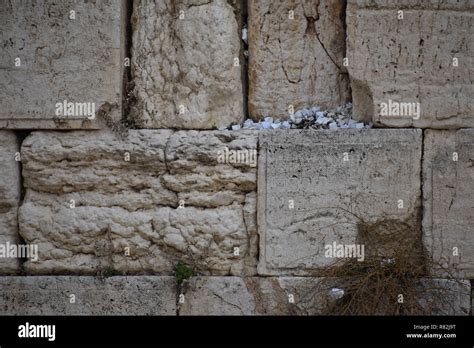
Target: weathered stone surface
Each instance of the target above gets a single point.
(448, 189)
(252, 296)
(136, 203)
(332, 198)
(445, 297)
(9, 198)
(93, 296)
(410, 60)
(301, 296)
(183, 57)
(154, 295)
(296, 61)
(78, 60)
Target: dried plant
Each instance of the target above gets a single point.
(391, 280)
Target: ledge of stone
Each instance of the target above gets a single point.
(144, 295)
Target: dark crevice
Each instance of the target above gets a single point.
(240, 8)
(344, 70)
(472, 298)
(244, 55)
(127, 86)
(311, 25)
(343, 18)
(20, 137)
(181, 289)
(421, 182)
(421, 178)
(197, 5)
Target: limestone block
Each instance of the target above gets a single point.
(302, 296)
(32, 295)
(252, 296)
(316, 188)
(183, 55)
(296, 58)
(448, 202)
(51, 55)
(10, 190)
(423, 54)
(175, 199)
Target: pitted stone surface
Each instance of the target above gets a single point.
(10, 190)
(445, 296)
(296, 60)
(252, 296)
(78, 60)
(144, 295)
(411, 59)
(309, 196)
(302, 296)
(183, 55)
(174, 200)
(448, 188)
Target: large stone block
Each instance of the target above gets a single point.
(423, 54)
(296, 58)
(49, 57)
(448, 205)
(253, 296)
(316, 188)
(183, 55)
(10, 190)
(145, 295)
(303, 296)
(173, 199)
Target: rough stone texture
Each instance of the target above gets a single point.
(296, 61)
(411, 60)
(448, 188)
(93, 296)
(78, 60)
(9, 198)
(188, 62)
(252, 296)
(135, 204)
(270, 296)
(445, 296)
(330, 195)
(153, 295)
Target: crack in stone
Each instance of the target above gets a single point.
(281, 60)
(230, 303)
(199, 5)
(324, 48)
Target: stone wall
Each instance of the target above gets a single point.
(412, 52)
(10, 190)
(128, 181)
(330, 195)
(160, 193)
(61, 51)
(295, 58)
(448, 181)
(185, 75)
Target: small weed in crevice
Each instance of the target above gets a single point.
(108, 272)
(183, 272)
